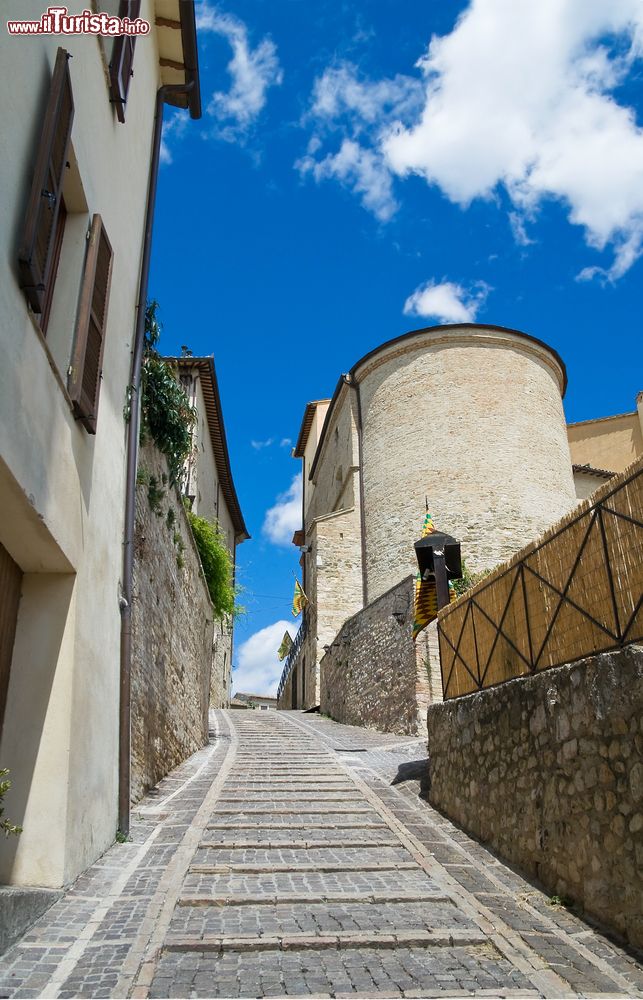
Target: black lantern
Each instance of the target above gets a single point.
(438, 556)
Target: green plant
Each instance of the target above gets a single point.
(468, 579)
(166, 414)
(217, 564)
(8, 827)
(565, 901)
(154, 495)
(121, 838)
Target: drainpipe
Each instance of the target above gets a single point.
(133, 429)
(354, 384)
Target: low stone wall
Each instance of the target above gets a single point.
(548, 771)
(373, 675)
(172, 635)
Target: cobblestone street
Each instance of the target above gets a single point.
(292, 856)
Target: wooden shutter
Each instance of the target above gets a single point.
(85, 370)
(36, 245)
(120, 68)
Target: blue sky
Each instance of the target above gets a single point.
(362, 170)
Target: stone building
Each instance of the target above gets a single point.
(77, 168)
(469, 416)
(603, 447)
(210, 488)
(182, 653)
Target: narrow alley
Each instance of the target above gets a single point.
(292, 856)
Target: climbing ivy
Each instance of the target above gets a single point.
(166, 414)
(217, 564)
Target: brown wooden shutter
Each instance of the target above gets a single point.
(120, 68)
(36, 245)
(85, 370)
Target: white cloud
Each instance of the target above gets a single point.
(258, 445)
(284, 518)
(173, 129)
(362, 170)
(520, 96)
(340, 91)
(447, 302)
(285, 443)
(258, 669)
(361, 108)
(252, 71)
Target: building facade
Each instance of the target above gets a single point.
(468, 417)
(603, 447)
(210, 489)
(74, 179)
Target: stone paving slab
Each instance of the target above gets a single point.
(294, 857)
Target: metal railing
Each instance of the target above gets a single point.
(575, 592)
(292, 654)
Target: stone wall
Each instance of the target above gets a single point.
(172, 635)
(373, 675)
(548, 771)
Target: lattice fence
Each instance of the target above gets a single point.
(575, 592)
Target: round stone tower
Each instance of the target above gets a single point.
(470, 416)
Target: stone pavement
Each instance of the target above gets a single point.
(293, 857)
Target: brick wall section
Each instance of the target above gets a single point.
(373, 675)
(171, 639)
(548, 770)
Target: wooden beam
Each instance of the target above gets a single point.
(167, 22)
(172, 64)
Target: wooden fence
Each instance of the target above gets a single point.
(575, 592)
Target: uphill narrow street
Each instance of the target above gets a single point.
(293, 857)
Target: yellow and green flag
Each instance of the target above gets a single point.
(299, 600)
(425, 603)
(428, 527)
(284, 649)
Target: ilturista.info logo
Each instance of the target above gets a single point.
(58, 21)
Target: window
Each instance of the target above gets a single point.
(85, 371)
(122, 59)
(44, 222)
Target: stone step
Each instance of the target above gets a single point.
(275, 845)
(445, 937)
(296, 826)
(230, 868)
(289, 898)
(298, 812)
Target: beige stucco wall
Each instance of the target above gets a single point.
(473, 419)
(585, 484)
(610, 443)
(64, 488)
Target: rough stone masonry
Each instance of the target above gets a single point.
(172, 630)
(548, 771)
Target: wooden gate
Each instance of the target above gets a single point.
(576, 592)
